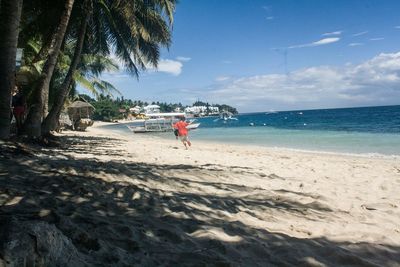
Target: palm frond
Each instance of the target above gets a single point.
(105, 87)
(85, 83)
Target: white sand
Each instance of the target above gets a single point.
(225, 204)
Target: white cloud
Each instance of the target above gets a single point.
(397, 27)
(226, 62)
(356, 44)
(266, 8)
(317, 43)
(332, 33)
(222, 78)
(326, 41)
(183, 59)
(268, 11)
(360, 33)
(376, 39)
(170, 66)
(373, 82)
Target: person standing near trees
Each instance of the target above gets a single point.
(183, 132)
(18, 108)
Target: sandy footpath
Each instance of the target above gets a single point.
(144, 201)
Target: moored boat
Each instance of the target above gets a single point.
(160, 122)
(226, 116)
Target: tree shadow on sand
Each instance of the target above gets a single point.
(136, 221)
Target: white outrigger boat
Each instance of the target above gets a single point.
(160, 122)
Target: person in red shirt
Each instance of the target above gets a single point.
(183, 132)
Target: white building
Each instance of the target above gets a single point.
(151, 109)
(202, 110)
(135, 110)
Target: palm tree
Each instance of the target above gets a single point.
(10, 14)
(130, 28)
(86, 75)
(51, 120)
(33, 122)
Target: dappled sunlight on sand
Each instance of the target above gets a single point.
(122, 209)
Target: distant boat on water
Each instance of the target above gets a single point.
(226, 116)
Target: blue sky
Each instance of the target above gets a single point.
(284, 54)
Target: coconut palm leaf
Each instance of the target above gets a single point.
(85, 83)
(95, 85)
(96, 64)
(105, 87)
(133, 30)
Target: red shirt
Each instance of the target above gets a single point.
(181, 126)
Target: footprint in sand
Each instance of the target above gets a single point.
(274, 176)
(379, 206)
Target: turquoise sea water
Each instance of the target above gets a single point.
(329, 141)
(369, 130)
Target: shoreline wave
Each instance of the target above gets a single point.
(126, 132)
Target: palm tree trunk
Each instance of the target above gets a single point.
(35, 116)
(10, 15)
(51, 121)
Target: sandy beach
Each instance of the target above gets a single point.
(144, 201)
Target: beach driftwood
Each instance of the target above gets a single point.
(35, 243)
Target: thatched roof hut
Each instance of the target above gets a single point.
(80, 110)
(80, 104)
(79, 113)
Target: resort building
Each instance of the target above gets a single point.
(135, 110)
(151, 109)
(202, 110)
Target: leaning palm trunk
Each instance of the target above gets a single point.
(10, 14)
(35, 115)
(51, 121)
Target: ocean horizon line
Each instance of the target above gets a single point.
(314, 109)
